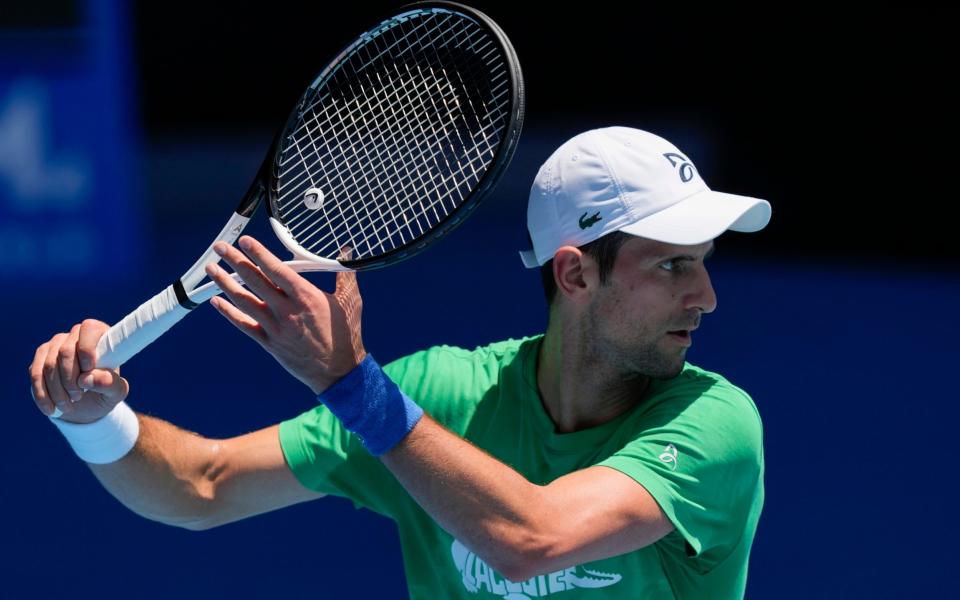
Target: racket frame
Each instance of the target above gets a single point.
(155, 316)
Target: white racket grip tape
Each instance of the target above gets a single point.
(139, 329)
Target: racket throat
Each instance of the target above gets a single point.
(304, 260)
(229, 234)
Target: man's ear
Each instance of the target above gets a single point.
(574, 272)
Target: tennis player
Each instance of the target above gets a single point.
(589, 462)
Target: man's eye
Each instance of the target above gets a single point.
(672, 265)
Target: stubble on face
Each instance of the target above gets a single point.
(631, 347)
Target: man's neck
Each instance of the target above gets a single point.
(579, 390)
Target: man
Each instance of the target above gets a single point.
(591, 461)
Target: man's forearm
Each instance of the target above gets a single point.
(481, 501)
(169, 476)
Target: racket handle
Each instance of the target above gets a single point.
(154, 317)
(139, 329)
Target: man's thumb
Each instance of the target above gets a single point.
(346, 280)
(103, 381)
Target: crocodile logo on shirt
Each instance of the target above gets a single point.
(477, 575)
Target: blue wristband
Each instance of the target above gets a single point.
(370, 405)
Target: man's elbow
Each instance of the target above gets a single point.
(189, 521)
(201, 520)
(528, 555)
(516, 571)
(198, 525)
(200, 513)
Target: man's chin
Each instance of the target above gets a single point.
(670, 368)
(659, 362)
(672, 373)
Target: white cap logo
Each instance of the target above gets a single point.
(686, 167)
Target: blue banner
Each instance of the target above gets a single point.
(68, 204)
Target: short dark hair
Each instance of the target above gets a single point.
(603, 250)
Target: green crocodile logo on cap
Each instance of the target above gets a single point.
(589, 221)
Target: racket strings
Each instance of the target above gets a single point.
(415, 134)
(403, 169)
(387, 54)
(417, 183)
(308, 123)
(397, 137)
(429, 83)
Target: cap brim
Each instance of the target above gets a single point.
(702, 217)
(529, 258)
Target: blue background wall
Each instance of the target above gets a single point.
(839, 318)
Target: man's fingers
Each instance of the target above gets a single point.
(51, 374)
(280, 274)
(347, 295)
(37, 387)
(240, 320)
(348, 290)
(91, 331)
(106, 382)
(247, 302)
(69, 364)
(252, 276)
(346, 280)
(346, 253)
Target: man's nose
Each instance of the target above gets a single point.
(702, 295)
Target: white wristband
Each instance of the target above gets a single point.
(107, 439)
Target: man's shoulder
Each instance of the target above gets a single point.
(700, 390)
(447, 355)
(452, 371)
(449, 382)
(694, 377)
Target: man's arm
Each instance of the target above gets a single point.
(171, 475)
(519, 528)
(182, 479)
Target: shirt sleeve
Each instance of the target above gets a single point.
(327, 458)
(701, 458)
(447, 382)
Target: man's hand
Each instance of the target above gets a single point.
(313, 334)
(62, 375)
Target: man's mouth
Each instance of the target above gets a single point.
(682, 336)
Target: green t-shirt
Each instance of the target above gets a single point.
(695, 443)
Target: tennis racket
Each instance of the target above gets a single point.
(392, 146)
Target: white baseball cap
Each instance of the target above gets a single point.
(623, 179)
